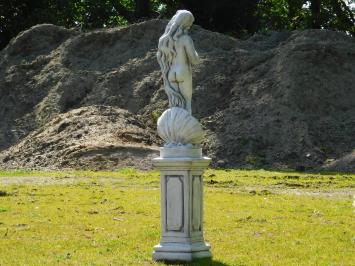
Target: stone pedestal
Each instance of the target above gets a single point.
(181, 187)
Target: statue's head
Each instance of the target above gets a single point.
(179, 23)
(183, 19)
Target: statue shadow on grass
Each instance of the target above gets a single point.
(199, 262)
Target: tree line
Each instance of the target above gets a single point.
(239, 18)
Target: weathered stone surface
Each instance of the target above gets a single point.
(181, 188)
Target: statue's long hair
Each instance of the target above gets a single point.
(167, 52)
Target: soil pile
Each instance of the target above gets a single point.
(96, 137)
(283, 99)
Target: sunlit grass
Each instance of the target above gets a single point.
(112, 218)
(126, 172)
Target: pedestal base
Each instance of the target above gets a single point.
(181, 186)
(181, 252)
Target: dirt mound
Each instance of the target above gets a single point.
(96, 137)
(343, 164)
(282, 99)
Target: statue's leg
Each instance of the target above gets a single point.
(186, 91)
(181, 82)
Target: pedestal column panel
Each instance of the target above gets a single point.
(196, 202)
(174, 203)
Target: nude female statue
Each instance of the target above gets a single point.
(176, 54)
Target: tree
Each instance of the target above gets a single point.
(315, 14)
(237, 17)
(302, 14)
(18, 15)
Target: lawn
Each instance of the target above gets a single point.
(112, 218)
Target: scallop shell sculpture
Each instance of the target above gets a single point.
(177, 126)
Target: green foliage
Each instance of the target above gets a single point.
(18, 15)
(275, 14)
(302, 14)
(156, 114)
(235, 17)
(335, 14)
(114, 21)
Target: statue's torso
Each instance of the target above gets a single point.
(180, 69)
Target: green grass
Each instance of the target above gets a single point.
(112, 218)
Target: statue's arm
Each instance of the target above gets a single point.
(191, 53)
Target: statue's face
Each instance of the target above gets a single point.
(188, 23)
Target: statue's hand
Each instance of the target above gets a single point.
(198, 59)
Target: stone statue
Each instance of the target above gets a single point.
(181, 162)
(176, 54)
